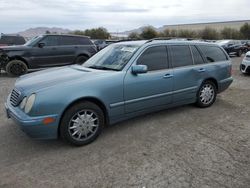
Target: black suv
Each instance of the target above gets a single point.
(9, 40)
(46, 51)
(232, 46)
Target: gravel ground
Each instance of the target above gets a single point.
(180, 147)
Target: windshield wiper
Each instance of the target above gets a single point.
(102, 68)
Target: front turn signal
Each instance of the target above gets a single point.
(48, 120)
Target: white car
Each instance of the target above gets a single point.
(245, 64)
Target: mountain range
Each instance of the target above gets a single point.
(32, 32)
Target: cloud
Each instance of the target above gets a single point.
(16, 15)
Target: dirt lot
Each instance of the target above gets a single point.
(180, 147)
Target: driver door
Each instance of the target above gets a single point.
(46, 55)
(154, 88)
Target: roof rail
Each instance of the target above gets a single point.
(172, 38)
(160, 38)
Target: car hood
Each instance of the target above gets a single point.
(45, 79)
(13, 48)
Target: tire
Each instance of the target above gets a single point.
(81, 59)
(16, 68)
(239, 53)
(208, 89)
(82, 123)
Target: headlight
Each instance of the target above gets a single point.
(23, 103)
(29, 103)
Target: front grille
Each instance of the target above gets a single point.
(15, 97)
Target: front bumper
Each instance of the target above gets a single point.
(245, 66)
(33, 126)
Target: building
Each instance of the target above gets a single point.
(199, 26)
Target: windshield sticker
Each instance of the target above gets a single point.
(128, 49)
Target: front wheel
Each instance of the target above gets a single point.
(82, 123)
(16, 68)
(206, 95)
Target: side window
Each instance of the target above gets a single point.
(181, 56)
(66, 40)
(155, 58)
(197, 56)
(50, 41)
(86, 41)
(213, 53)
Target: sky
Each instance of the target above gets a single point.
(116, 16)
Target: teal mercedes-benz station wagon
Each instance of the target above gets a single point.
(123, 80)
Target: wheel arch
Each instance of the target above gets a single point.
(18, 58)
(212, 80)
(94, 100)
(81, 55)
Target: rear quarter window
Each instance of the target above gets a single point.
(85, 41)
(213, 53)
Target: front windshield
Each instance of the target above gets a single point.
(33, 41)
(113, 57)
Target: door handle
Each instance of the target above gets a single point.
(201, 70)
(168, 76)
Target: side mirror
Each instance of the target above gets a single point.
(139, 69)
(41, 44)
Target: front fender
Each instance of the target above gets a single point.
(55, 100)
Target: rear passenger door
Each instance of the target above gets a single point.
(151, 89)
(67, 47)
(186, 76)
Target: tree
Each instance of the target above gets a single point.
(134, 35)
(173, 33)
(47, 32)
(97, 33)
(78, 32)
(148, 33)
(187, 33)
(209, 34)
(230, 33)
(166, 33)
(245, 31)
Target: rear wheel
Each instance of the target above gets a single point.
(81, 59)
(82, 123)
(16, 68)
(206, 95)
